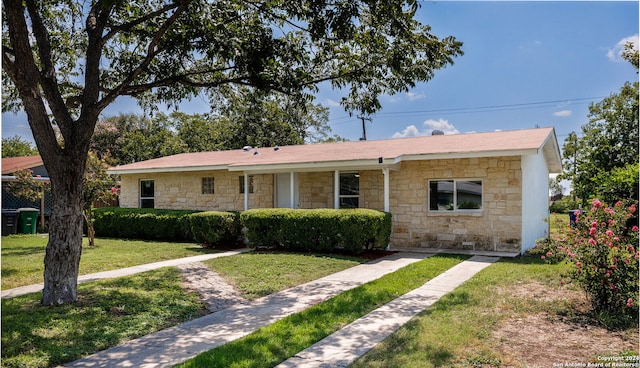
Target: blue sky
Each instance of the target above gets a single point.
(526, 64)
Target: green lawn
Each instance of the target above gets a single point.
(279, 341)
(23, 256)
(558, 221)
(260, 274)
(457, 331)
(107, 313)
(112, 311)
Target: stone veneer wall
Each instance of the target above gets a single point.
(316, 189)
(184, 191)
(496, 228)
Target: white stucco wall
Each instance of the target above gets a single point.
(535, 199)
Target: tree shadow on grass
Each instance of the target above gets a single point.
(106, 314)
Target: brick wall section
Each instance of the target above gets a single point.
(184, 191)
(497, 227)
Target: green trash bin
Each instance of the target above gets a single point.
(27, 220)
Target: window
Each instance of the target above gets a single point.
(241, 180)
(207, 186)
(147, 194)
(349, 190)
(455, 195)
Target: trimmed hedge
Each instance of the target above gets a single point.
(317, 230)
(142, 223)
(215, 228)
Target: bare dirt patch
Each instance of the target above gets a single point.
(558, 339)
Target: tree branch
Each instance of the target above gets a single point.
(151, 54)
(26, 77)
(47, 77)
(114, 30)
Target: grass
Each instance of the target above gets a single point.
(467, 316)
(23, 256)
(112, 311)
(277, 342)
(558, 221)
(107, 313)
(260, 274)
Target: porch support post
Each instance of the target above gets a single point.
(246, 191)
(292, 195)
(385, 173)
(336, 189)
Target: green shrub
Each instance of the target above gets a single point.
(317, 230)
(603, 248)
(215, 228)
(564, 205)
(142, 223)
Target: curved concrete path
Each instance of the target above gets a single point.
(177, 344)
(10, 293)
(354, 340)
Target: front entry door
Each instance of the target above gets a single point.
(283, 190)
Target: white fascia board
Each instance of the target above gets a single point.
(315, 166)
(167, 169)
(13, 178)
(457, 155)
(552, 154)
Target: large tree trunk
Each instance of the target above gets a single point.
(62, 259)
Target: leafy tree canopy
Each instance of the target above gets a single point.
(64, 62)
(131, 138)
(254, 119)
(608, 147)
(16, 147)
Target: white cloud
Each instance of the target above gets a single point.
(415, 96)
(410, 131)
(331, 103)
(440, 124)
(563, 113)
(614, 53)
(428, 127)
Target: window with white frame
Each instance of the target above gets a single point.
(455, 195)
(147, 194)
(349, 190)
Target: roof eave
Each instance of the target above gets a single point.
(365, 164)
(458, 155)
(155, 170)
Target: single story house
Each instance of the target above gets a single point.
(477, 192)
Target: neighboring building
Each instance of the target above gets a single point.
(12, 164)
(478, 192)
(10, 202)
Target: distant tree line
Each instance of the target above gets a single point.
(248, 119)
(602, 161)
(252, 120)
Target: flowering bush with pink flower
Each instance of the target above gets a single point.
(603, 249)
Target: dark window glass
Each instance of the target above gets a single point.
(349, 190)
(147, 194)
(451, 195)
(207, 186)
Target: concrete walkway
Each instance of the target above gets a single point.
(179, 343)
(348, 344)
(10, 293)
